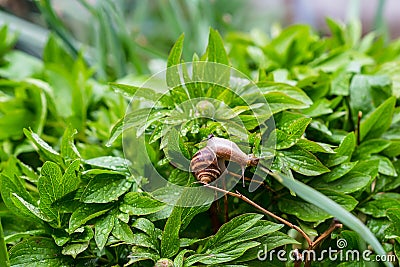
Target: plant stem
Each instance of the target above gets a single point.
(3, 249)
(245, 199)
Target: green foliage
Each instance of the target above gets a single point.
(336, 143)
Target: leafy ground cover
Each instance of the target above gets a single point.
(70, 197)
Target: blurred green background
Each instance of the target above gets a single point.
(133, 37)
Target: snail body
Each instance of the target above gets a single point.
(209, 162)
(229, 151)
(205, 165)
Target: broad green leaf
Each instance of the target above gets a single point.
(74, 249)
(143, 240)
(42, 251)
(28, 208)
(174, 58)
(288, 136)
(279, 101)
(311, 213)
(393, 150)
(215, 49)
(343, 152)
(109, 162)
(141, 253)
(146, 226)
(302, 161)
(318, 108)
(289, 91)
(373, 146)
(122, 232)
(135, 91)
(49, 189)
(179, 259)
(380, 204)
(85, 213)
(135, 203)
(378, 121)
(385, 165)
(367, 92)
(349, 183)
(393, 231)
(314, 197)
(104, 188)
(267, 243)
(44, 149)
(338, 171)
(314, 146)
(69, 181)
(194, 202)
(231, 230)
(14, 185)
(102, 229)
(170, 236)
(68, 148)
(221, 257)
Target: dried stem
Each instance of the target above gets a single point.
(245, 199)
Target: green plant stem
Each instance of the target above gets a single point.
(4, 261)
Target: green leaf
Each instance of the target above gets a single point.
(232, 229)
(75, 249)
(314, 146)
(135, 203)
(215, 49)
(85, 213)
(102, 229)
(136, 91)
(338, 171)
(380, 204)
(279, 101)
(44, 150)
(385, 165)
(378, 121)
(68, 148)
(373, 146)
(288, 135)
(174, 59)
(146, 226)
(43, 252)
(141, 253)
(49, 189)
(311, 213)
(368, 92)
(104, 188)
(111, 163)
(343, 152)
(179, 259)
(28, 208)
(393, 231)
(123, 232)
(291, 93)
(349, 183)
(14, 185)
(225, 256)
(302, 161)
(170, 236)
(313, 196)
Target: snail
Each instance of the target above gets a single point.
(209, 162)
(205, 165)
(228, 150)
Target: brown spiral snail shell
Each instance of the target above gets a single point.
(204, 164)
